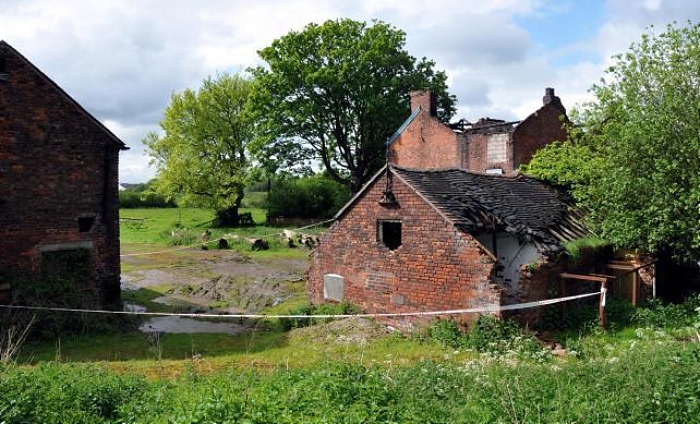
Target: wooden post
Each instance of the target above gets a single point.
(634, 288)
(601, 310)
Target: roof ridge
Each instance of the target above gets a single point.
(62, 92)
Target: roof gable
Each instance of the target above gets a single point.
(7, 48)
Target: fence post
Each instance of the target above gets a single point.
(601, 309)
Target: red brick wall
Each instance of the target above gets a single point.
(56, 165)
(426, 143)
(535, 132)
(478, 152)
(436, 267)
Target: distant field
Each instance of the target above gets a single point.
(155, 225)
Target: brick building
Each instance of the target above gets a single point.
(488, 146)
(432, 240)
(58, 184)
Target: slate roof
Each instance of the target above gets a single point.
(525, 207)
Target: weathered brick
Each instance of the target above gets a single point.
(59, 165)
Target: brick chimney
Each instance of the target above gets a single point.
(425, 99)
(549, 97)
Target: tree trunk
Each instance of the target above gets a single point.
(228, 217)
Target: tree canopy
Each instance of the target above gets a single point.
(201, 155)
(333, 93)
(633, 157)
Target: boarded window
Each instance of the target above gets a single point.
(70, 265)
(389, 233)
(333, 287)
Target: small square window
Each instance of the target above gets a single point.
(389, 233)
(85, 223)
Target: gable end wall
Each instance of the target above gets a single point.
(535, 132)
(437, 267)
(57, 165)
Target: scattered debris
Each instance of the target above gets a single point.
(258, 244)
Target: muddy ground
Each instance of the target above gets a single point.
(213, 281)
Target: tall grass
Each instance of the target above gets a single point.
(651, 382)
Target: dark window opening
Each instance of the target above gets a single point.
(389, 233)
(85, 223)
(3, 70)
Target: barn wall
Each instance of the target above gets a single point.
(436, 267)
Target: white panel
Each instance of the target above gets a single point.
(333, 287)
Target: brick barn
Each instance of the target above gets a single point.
(492, 146)
(432, 240)
(58, 185)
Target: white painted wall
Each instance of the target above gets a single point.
(512, 255)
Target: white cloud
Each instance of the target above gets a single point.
(122, 59)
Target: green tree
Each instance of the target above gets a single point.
(633, 160)
(333, 93)
(201, 155)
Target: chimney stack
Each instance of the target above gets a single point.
(548, 95)
(426, 99)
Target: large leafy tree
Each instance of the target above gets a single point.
(201, 153)
(333, 93)
(633, 160)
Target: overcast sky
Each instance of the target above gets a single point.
(122, 59)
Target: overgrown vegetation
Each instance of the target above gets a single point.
(64, 282)
(143, 196)
(315, 196)
(653, 381)
(342, 308)
(631, 157)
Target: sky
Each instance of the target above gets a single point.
(123, 59)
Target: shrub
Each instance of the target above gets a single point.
(316, 196)
(341, 308)
(660, 314)
(446, 332)
(585, 253)
(142, 196)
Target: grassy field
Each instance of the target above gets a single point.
(644, 368)
(151, 226)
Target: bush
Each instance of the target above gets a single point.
(659, 314)
(307, 197)
(487, 334)
(342, 308)
(141, 196)
(446, 332)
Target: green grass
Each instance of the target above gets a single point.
(644, 368)
(150, 230)
(650, 381)
(155, 225)
(350, 371)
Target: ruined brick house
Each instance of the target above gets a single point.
(58, 183)
(448, 224)
(491, 146)
(433, 240)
